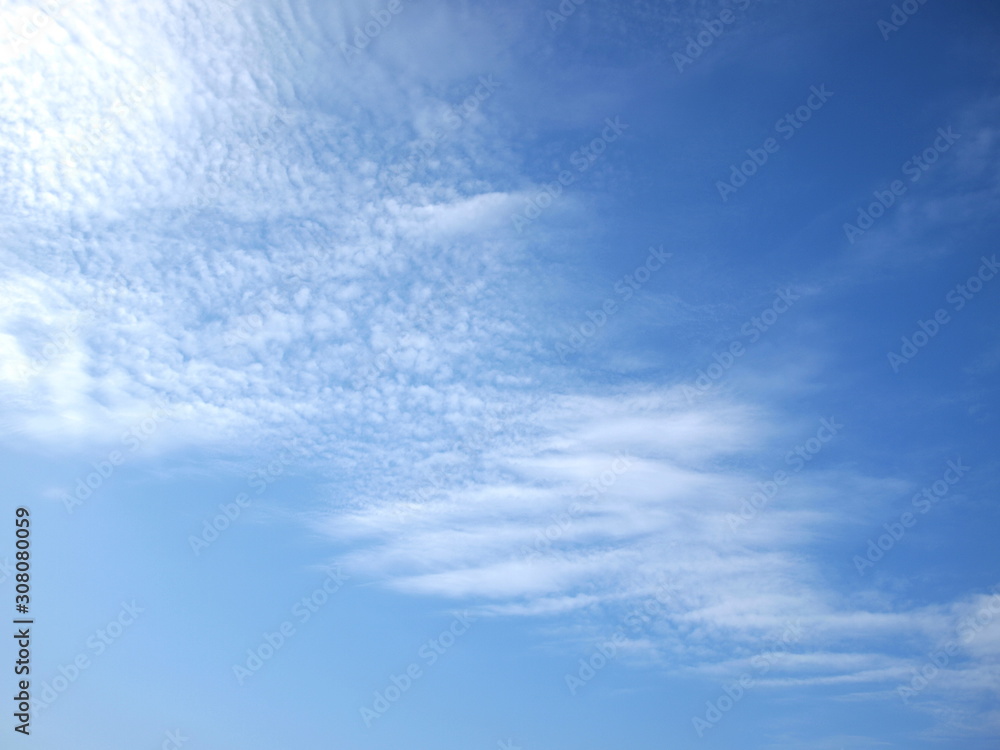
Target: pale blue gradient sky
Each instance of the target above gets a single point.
(403, 313)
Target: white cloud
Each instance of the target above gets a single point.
(275, 285)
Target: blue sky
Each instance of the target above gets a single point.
(503, 375)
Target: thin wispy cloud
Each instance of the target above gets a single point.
(447, 295)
